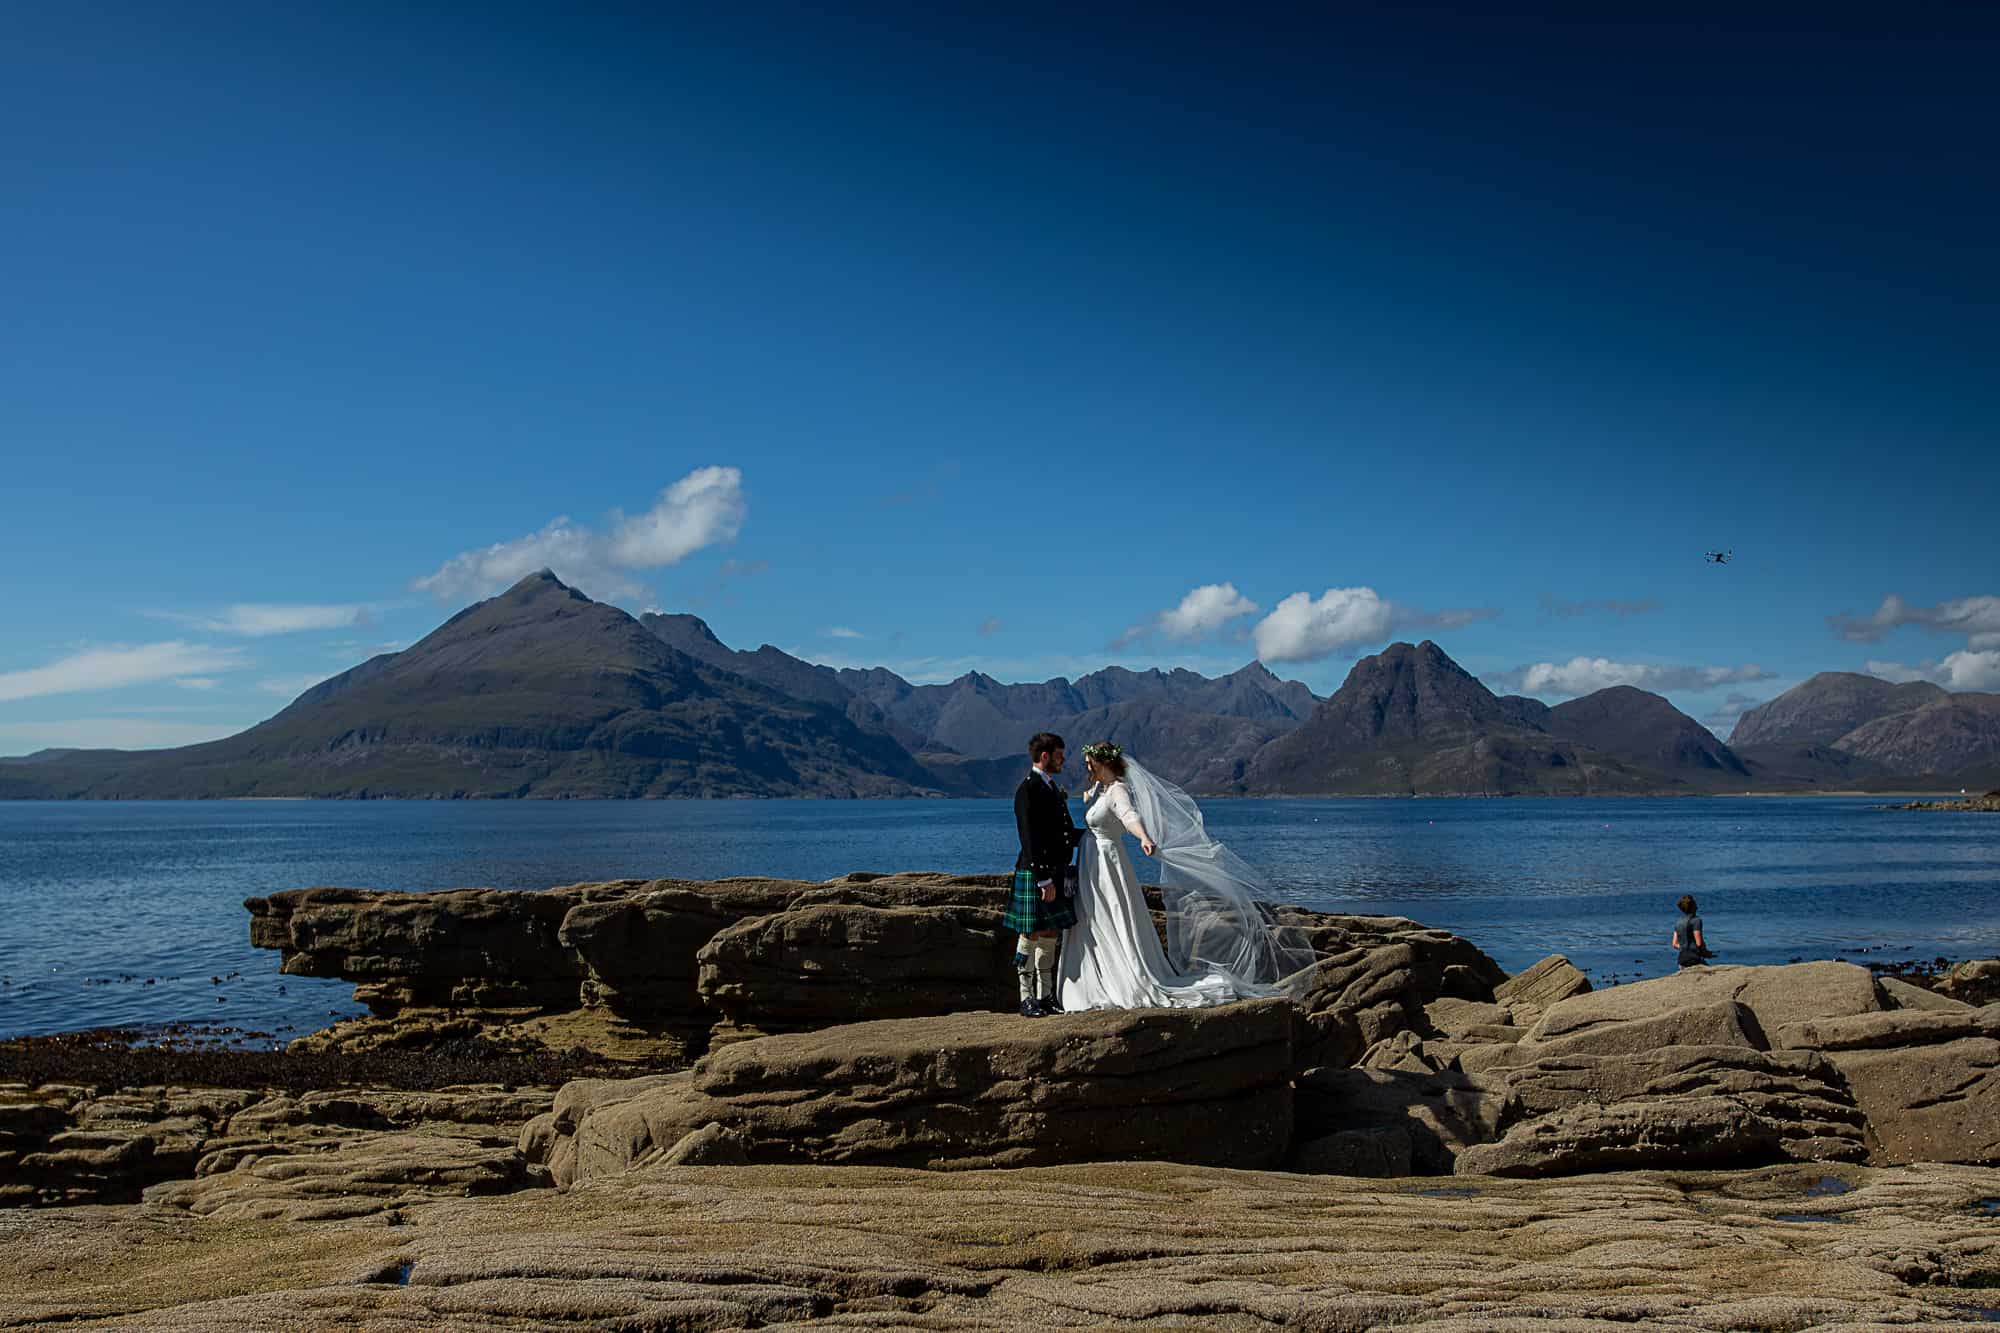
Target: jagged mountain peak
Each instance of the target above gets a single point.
(679, 629)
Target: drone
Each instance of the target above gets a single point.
(1718, 557)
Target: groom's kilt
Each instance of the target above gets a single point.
(1027, 914)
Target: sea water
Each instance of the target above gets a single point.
(130, 913)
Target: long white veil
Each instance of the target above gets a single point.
(1220, 915)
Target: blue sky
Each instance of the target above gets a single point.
(1025, 341)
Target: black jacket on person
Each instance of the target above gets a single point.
(1048, 835)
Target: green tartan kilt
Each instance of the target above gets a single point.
(1027, 914)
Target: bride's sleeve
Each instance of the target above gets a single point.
(1121, 805)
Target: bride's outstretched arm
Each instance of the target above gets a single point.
(1121, 805)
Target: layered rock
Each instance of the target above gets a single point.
(639, 944)
(791, 970)
(629, 953)
(1112, 1245)
(1673, 1105)
(1554, 978)
(471, 948)
(1769, 997)
(1379, 986)
(353, 1175)
(1927, 1079)
(656, 970)
(67, 1144)
(1204, 1086)
(1430, 1116)
(1728, 1065)
(852, 1021)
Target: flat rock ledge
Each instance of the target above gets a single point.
(1132, 1245)
(1203, 1086)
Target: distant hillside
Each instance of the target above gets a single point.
(1957, 737)
(1840, 727)
(779, 670)
(539, 691)
(1645, 730)
(1825, 708)
(1411, 720)
(542, 692)
(979, 716)
(972, 733)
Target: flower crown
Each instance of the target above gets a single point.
(1103, 751)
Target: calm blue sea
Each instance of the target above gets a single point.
(131, 914)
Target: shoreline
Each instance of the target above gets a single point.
(791, 1113)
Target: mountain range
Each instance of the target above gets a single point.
(542, 692)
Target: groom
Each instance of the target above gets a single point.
(1037, 908)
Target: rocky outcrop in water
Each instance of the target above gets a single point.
(1987, 804)
(649, 969)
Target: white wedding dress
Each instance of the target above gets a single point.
(1226, 948)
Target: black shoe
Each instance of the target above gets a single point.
(1030, 1009)
(1050, 1006)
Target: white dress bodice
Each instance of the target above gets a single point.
(1111, 814)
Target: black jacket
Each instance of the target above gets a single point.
(1048, 835)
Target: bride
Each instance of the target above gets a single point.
(1221, 943)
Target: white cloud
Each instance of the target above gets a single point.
(258, 619)
(1303, 628)
(701, 509)
(115, 666)
(1967, 669)
(197, 682)
(291, 687)
(1973, 667)
(1205, 610)
(1976, 616)
(1587, 675)
(842, 632)
(109, 733)
(1973, 670)
(575, 554)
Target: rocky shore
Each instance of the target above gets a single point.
(1990, 803)
(752, 1102)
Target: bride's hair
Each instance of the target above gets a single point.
(1109, 755)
